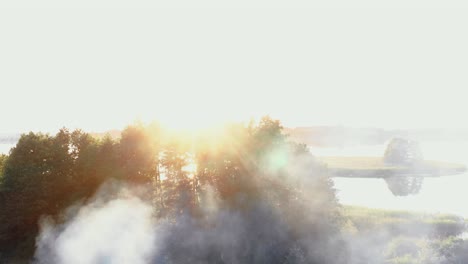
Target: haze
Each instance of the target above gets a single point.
(99, 69)
(319, 132)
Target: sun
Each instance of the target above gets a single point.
(192, 117)
(188, 122)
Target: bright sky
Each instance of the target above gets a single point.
(99, 69)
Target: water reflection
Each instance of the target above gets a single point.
(446, 194)
(403, 186)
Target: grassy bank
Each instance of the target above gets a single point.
(405, 223)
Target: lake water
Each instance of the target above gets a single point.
(448, 194)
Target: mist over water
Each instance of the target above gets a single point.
(446, 194)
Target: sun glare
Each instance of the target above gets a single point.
(186, 124)
(189, 123)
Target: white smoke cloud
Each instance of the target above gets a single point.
(119, 226)
(117, 231)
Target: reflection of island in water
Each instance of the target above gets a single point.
(402, 167)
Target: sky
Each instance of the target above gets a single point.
(101, 68)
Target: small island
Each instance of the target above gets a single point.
(402, 167)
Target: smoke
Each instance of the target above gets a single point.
(123, 229)
(120, 225)
(119, 230)
(263, 223)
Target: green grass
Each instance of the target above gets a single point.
(362, 220)
(404, 237)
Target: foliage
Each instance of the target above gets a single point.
(404, 186)
(404, 223)
(404, 237)
(403, 152)
(3, 159)
(405, 250)
(249, 170)
(452, 250)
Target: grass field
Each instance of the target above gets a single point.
(403, 223)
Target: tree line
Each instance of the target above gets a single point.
(243, 164)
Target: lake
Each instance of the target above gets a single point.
(438, 195)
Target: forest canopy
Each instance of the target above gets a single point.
(277, 187)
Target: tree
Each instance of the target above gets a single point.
(139, 151)
(90, 161)
(452, 250)
(402, 152)
(257, 174)
(40, 170)
(3, 159)
(38, 178)
(278, 196)
(404, 185)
